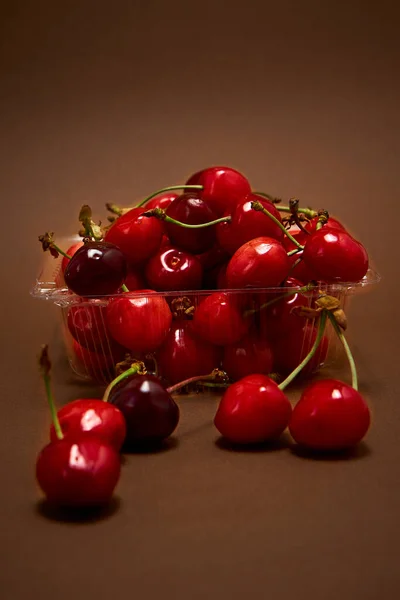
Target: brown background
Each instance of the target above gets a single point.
(107, 101)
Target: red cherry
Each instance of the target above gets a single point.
(78, 471)
(87, 325)
(294, 345)
(218, 319)
(223, 187)
(247, 224)
(333, 255)
(191, 209)
(71, 251)
(213, 257)
(330, 415)
(138, 237)
(253, 410)
(162, 200)
(173, 269)
(279, 317)
(183, 356)
(332, 224)
(91, 416)
(140, 323)
(261, 262)
(135, 279)
(251, 354)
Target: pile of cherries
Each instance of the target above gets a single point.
(215, 282)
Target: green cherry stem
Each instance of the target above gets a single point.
(45, 367)
(124, 288)
(340, 334)
(295, 251)
(268, 197)
(49, 244)
(303, 290)
(308, 212)
(256, 205)
(199, 378)
(137, 368)
(170, 188)
(320, 333)
(160, 213)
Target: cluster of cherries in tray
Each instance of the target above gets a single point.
(216, 284)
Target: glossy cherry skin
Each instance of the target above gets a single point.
(294, 345)
(251, 354)
(138, 237)
(223, 187)
(91, 416)
(173, 269)
(330, 415)
(183, 356)
(140, 323)
(334, 256)
(80, 471)
(191, 209)
(280, 316)
(261, 262)
(150, 412)
(96, 269)
(71, 251)
(219, 320)
(162, 200)
(247, 224)
(253, 410)
(87, 325)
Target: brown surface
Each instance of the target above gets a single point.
(109, 102)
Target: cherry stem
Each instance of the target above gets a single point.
(303, 290)
(306, 360)
(295, 251)
(137, 368)
(340, 334)
(160, 213)
(61, 251)
(294, 207)
(308, 212)
(256, 205)
(210, 377)
(170, 188)
(45, 366)
(268, 197)
(323, 218)
(124, 288)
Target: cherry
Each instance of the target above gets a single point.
(253, 410)
(332, 223)
(223, 187)
(96, 269)
(162, 200)
(333, 255)
(294, 345)
(213, 257)
(218, 319)
(150, 412)
(183, 356)
(91, 416)
(134, 279)
(78, 471)
(261, 262)
(87, 325)
(279, 317)
(251, 354)
(140, 323)
(189, 208)
(330, 415)
(71, 251)
(247, 224)
(138, 237)
(98, 364)
(173, 269)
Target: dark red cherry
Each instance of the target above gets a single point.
(213, 258)
(183, 355)
(150, 412)
(219, 320)
(80, 471)
(91, 416)
(251, 354)
(135, 279)
(223, 187)
(138, 237)
(87, 324)
(261, 262)
(279, 316)
(247, 224)
(191, 209)
(294, 345)
(96, 269)
(334, 256)
(173, 269)
(330, 415)
(162, 200)
(253, 410)
(140, 322)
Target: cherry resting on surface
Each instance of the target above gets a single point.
(96, 269)
(330, 415)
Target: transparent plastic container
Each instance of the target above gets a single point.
(94, 355)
